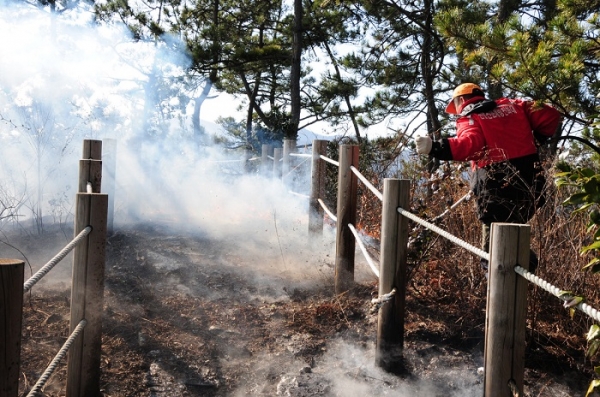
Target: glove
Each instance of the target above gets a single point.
(423, 144)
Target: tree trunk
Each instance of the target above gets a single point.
(292, 130)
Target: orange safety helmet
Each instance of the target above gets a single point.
(463, 89)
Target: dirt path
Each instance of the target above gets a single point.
(188, 315)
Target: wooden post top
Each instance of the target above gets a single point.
(8, 262)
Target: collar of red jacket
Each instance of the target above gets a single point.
(470, 101)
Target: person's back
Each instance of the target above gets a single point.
(498, 137)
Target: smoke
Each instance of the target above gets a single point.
(349, 370)
(64, 80)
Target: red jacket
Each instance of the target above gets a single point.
(499, 138)
(503, 133)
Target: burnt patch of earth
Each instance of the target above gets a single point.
(188, 315)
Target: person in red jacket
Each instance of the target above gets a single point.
(499, 138)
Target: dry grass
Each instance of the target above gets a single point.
(448, 275)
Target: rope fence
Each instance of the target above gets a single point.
(87, 291)
(507, 299)
(39, 385)
(546, 286)
(327, 210)
(306, 155)
(298, 194)
(477, 251)
(54, 261)
(374, 267)
(368, 184)
(330, 161)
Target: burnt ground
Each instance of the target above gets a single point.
(191, 315)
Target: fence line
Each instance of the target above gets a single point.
(362, 247)
(477, 251)
(327, 210)
(546, 286)
(87, 287)
(298, 194)
(301, 155)
(466, 197)
(507, 345)
(54, 261)
(368, 184)
(54, 363)
(330, 161)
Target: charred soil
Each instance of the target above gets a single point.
(188, 315)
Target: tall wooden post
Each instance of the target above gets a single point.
(317, 188)
(277, 153)
(506, 310)
(266, 151)
(11, 321)
(289, 146)
(392, 273)
(109, 171)
(87, 290)
(346, 214)
(90, 167)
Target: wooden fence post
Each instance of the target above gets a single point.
(392, 273)
(317, 189)
(109, 172)
(266, 151)
(90, 167)
(87, 289)
(289, 146)
(506, 309)
(11, 321)
(277, 153)
(346, 214)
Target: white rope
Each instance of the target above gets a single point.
(383, 299)
(324, 206)
(48, 266)
(367, 183)
(226, 161)
(477, 251)
(59, 356)
(294, 169)
(298, 194)
(301, 155)
(546, 286)
(372, 265)
(453, 206)
(327, 159)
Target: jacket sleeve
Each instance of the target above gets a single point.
(544, 119)
(469, 143)
(441, 150)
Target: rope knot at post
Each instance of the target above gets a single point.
(376, 303)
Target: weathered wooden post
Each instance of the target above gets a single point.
(506, 310)
(109, 172)
(317, 188)
(266, 151)
(346, 214)
(277, 153)
(87, 290)
(90, 167)
(289, 147)
(247, 157)
(392, 273)
(11, 321)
